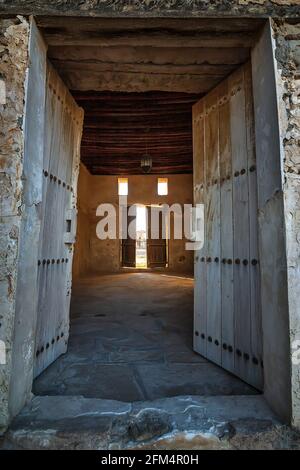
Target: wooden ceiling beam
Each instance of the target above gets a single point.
(97, 38)
(146, 98)
(155, 171)
(168, 69)
(86, 142)
(114, 140)
(148, 55)
(132, 24)
(132, 82)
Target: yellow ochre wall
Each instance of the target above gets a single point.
(94, 256)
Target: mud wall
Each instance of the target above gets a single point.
(95, 256)
(82, 247)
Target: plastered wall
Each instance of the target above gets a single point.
(97, 256)
(82, 254)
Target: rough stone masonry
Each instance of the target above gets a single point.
(140, 8)
(14, 34)
(287, 54)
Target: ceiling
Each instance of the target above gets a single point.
(119, 128)
(136, 55)
(137, 80)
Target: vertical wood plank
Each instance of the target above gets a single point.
(228, 345)
(255, 297)
(213, 227)
(227, 286)
(241, 227)
(200, 313)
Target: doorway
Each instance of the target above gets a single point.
(172, 128)
(148, 246)
(140, 313)
(141, 237)
(207, 179)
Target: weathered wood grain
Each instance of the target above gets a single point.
(148, 38)
(134, 24)
(148, 55)
(199, 173)
(255, 277)
(213, 299)
(227, 311)
(227, 301)
(63, 124)
(141, 55)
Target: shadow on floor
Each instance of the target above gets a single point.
(131, 339)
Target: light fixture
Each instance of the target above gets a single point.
(146, 163)
(146, 160)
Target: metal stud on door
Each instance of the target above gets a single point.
(227, 318)
(62, 137)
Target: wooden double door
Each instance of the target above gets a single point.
(156, 243)
(227, 316)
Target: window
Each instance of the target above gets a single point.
(123, 186)
(162, 186)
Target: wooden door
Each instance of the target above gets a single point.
(156, 239)
(129, 241)
(227, 318)
(62, 137)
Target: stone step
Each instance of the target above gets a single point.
(186, 422)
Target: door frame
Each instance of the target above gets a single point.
(271, 230)
(275, 317)
(122, 239)
(167, 239)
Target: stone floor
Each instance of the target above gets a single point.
(131, 340)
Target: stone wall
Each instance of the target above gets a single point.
(152, 8)
(287, 54)
(96, 256)
(14, 37)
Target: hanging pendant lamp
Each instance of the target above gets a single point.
(146, 160)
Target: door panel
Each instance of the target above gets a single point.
(213, 298)
(62, 137)
(240, 201)
(156, 240)
(128, 242)
(227, 289)
(199, 173)
(226, 228)
(255, 305)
